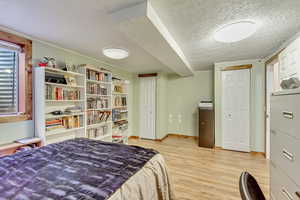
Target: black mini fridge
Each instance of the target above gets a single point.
(206, 127)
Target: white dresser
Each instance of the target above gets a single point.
(285, 146)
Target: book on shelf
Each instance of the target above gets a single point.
(97, 132)
(69, 122)
(93, 88)
(59, 93)
(96, 117)
(97, 103)
(98, 76)
(120, 101)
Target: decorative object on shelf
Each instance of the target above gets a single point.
(70, 80)
(48, 62)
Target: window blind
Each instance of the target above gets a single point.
(8, 79)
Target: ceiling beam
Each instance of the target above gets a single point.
(143, 26)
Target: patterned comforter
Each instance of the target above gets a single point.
(73, 169)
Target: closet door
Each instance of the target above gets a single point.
(236, 110)
(147, 107)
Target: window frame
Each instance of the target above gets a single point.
(26, 49)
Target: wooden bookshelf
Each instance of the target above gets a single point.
(120, 110)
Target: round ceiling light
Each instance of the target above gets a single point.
(115, 53)
(235, 32)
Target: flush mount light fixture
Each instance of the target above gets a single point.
(235, 32)
(115, 53)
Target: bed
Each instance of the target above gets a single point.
(85, 169)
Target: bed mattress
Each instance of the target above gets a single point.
(85, 169)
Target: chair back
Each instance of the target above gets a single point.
(249, 188)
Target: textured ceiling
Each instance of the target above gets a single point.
(193, 23)
(85, 26)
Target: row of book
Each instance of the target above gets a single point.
(96, 117)
(58, 93)
(119, 115)
(97, 103)
(98, 76)
(97, 132)
(119, 89)
(93, 88)
(120, 101)
(64, 123)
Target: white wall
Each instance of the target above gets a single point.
(256, 102)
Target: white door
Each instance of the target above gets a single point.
(147, 107)
(236, 110)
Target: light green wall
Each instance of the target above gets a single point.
(256, 102)
(161, 106)
(13, 131)
(183, 96)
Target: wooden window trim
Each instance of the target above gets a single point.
(239, 67)
(147, 75)
(26, 46)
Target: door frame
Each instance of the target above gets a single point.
(268, 63)
(234, 68)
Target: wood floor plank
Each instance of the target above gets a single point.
(208, 174)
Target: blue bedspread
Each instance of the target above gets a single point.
(73, 169)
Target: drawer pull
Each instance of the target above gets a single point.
(297, 194)
(288, 115)
(287, 194)
(288, 155)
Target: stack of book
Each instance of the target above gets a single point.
(97, 103)
(54, 124)
(96, 117)
(97, 76)
(64, 123)
(58, 93)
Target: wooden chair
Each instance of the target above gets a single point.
(249, 188)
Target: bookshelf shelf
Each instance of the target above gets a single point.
(64, 100)
(62, 131)
(64, 85)
(98, 124)
(99, 109)
(50, 116)
(63, 72)
(118, 93)
(97, 95)
(119, 120)
(99, 82)
(103, 137)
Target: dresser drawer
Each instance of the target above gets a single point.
(282, 187)
(285, 114)
(285, 152)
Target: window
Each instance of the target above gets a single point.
(9, 63)
(15, 78)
